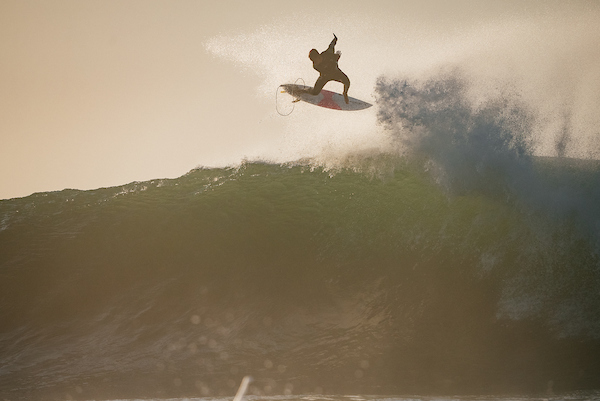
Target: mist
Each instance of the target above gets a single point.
(548, 61)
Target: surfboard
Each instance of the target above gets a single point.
(327, 99)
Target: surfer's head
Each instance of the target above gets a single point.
(313, 54)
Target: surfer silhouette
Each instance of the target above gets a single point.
(326, 63)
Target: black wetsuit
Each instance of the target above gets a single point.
(329, 70)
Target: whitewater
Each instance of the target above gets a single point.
(445, 245)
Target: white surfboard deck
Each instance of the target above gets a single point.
(327, 99)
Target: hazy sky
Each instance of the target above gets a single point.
(100, 92)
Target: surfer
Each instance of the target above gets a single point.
(327, 64)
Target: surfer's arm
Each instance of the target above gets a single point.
(331, 49)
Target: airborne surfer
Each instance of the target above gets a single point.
(327, 64)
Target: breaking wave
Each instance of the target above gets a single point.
(373, 280)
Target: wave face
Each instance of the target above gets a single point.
(373, 280)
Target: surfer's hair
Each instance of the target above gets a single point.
(313, 53)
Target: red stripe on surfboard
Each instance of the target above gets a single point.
(328, 101)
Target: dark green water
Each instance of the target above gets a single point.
(347, 282)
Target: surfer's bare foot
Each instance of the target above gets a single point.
(346, 98)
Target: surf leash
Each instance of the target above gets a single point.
(292, 94)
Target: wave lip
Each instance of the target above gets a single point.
(486, 147)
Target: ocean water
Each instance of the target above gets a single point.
(458, 265)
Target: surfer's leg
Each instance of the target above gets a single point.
(346, 83)
(321, 81)
(343, 78)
